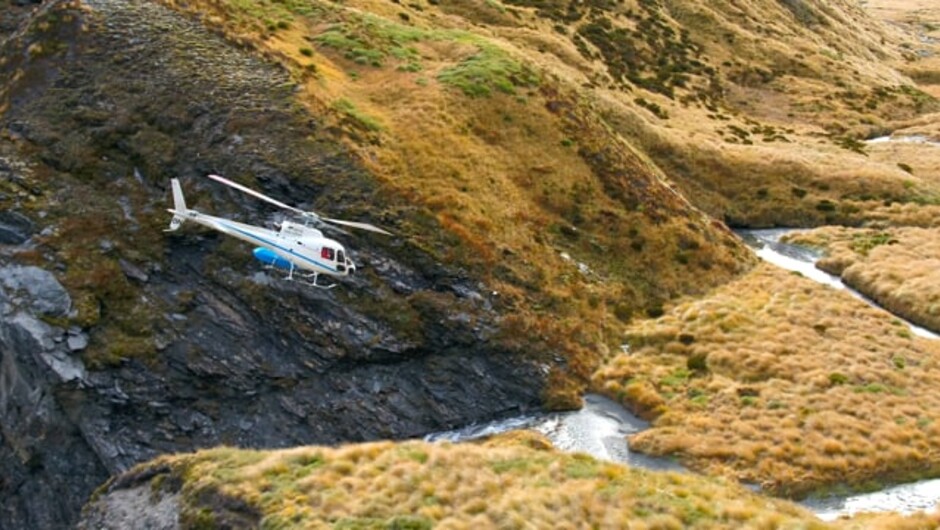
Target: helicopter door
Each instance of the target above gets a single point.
(340, 261)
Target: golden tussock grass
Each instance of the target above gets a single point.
(512, 481)
(781, 144)
(779, 381)
(544, 152)
(504, 167)
(897, 267)
(896, 214)
(919, 521)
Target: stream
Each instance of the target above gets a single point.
(767, 245)
(903, 498)
(912, 139)
(601, 427)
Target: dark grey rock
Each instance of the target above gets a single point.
(15, 228)
(133, 271)
(46, 295)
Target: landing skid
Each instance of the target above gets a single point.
(311, 283)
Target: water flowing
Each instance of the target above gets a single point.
(912, 139)
(903, 498)
(768, 247)
(601, 427)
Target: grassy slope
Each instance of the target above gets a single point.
(757, 110)
(921, 17)
(527, 137)
(786, 383)
(575, 229)
(514, 481)
(897, 267)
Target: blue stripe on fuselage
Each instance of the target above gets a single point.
(287, 250)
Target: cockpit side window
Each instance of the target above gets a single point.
(340, 258)
(326, 253)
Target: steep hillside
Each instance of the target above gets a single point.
(756, 109)
(919, 18)
(520, 170)
(527, 232)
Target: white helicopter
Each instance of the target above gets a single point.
(295, 246)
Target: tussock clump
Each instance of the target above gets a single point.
(507, 482)
(801, 386)
(897, 267)
(898, 214)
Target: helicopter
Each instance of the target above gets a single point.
(295, 247)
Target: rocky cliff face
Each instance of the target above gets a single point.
(142, 344)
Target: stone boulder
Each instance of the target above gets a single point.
(43, 293)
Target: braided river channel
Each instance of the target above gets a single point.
(601, 427)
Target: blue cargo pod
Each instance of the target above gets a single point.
(269, 257)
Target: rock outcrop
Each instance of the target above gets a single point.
(48, 467)
(126, 94)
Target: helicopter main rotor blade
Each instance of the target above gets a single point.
(260, 195)
(354, 224)
(309, 215)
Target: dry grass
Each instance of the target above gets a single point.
(779, 381)
(518, 142)
(516, 481)
(771, 134)
(922, 18)
(916, 215)
(505, 167)
(897, 267)
(920, 521)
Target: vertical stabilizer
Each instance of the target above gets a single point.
(179, 206)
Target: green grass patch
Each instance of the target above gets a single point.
(582, 466)
(836, 378)
(511, 464)
(268, 15)
(489, 69)
(678, 377)
(871, 388)
(360, 118)
(863, 243)
(372, 41)
(398, 522)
